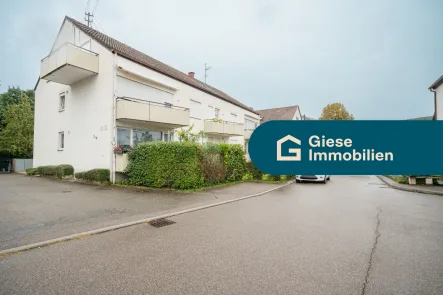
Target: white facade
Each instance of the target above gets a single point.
(439, 109)
(88, 121)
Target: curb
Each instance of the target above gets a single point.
(128, 224)
(408, 189)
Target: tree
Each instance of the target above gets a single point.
(13, 96)
(186, 135)
(336, 111)
(17, 136)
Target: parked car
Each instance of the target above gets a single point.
(313, 178)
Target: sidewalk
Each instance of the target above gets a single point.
(424, 189)
(34, 209)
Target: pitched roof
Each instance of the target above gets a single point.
(145, 60)
(436, 84)
(284, 113)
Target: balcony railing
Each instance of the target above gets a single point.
(69, 64)
(166, 114)
(225, 128)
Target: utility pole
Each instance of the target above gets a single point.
(207, 68)
(89, 18)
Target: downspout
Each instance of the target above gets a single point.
(114, 115)
(435, 103)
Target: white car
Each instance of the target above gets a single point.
(314, 178)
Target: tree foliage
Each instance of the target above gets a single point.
(17, 135)
(186, 135)
(13, 96)
(336, 111)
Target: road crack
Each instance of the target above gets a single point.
(374, 247)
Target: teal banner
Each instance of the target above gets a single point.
(348, 147)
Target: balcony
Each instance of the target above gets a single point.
(224, 128)
(248, 133)
(69, 64)
(163, 115)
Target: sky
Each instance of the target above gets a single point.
(376, 57)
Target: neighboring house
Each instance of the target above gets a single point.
(437, 88)
(422, 118)
(95, 93)
(304, 117)
(284, 113)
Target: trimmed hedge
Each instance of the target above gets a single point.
(49, 170)
(166, 164)
(56, 171)
(235, 161)
(65, 170)
(94, 175)
(31, 171)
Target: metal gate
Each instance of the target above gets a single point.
(5, 164)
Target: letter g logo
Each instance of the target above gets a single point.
(297, 152)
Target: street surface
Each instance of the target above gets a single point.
(353, 235)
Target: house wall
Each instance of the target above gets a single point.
(297, 115)
(183, 96)
(87, 119)
(439, 92)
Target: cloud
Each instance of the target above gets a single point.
(377, 58)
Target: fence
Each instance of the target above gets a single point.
(20, 165)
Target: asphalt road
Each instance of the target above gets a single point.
(35, 209)
(351, 236)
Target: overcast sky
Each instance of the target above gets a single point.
(377, 57)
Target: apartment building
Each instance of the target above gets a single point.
(96, 93)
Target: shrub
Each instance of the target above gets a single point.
(166, 164)
(254, 171)
(247, 176)
(269, 177)
(64, 170)
(94, 175)
(235, 161)
(212, 164)
(49, 170)
(31, 171)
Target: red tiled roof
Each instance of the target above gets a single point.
(145, 60)
(284, 113)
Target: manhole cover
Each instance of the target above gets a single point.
(161, 222)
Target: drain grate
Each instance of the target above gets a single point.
(161, 222)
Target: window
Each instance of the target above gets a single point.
(168, 137)
(123, 137)
(140, 136)
(250, 125)
(195, 110)
(217, 113)
(61, 141)
(61, 105)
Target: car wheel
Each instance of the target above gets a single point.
(329, 177)
(297, 181)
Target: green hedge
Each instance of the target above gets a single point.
(49, 170)
(94, 175)
(64, 170)
(56, 171)
(31, 171)
(253, 171)
(212, 164)
(166, 164)
(235, 161)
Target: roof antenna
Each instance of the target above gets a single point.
(207, 68)
(89, 18)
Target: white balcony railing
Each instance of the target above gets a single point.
(140, 110)
(225, 128)
(69, 64)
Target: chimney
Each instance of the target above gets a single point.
(191, 74)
